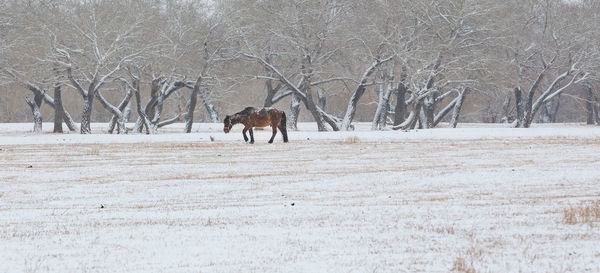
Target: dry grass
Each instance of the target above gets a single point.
(94, 151)
(349, 140)
(465, 263)
(462, 265)
(586, 212)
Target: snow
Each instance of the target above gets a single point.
(363, 201)
(20, 133)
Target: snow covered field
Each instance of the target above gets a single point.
(483, 198)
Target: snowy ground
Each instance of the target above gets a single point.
(484, 198)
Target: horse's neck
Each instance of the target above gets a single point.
(236, 119)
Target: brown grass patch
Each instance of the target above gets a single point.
(437, 199)
(349, 140)
(586, 212)
(462, 265)
(465, 263)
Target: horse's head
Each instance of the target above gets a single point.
(227, 124)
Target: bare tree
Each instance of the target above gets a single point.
(415, 64)
(548, 59)
(360, 90)
(35, 109)
(304, 30)
(199, 44)
(96, 52)
(437, 58)
(121, 113)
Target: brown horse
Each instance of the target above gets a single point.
(252, 117)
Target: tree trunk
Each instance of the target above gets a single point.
(360, 90)
(428, 118)
(597, 111)
(58, 109)
(37, 115)
(309, 102)
(191, 106)
(520, 121)
(127, 111)
(506, 110)
(442, 113)
(380, 117)
(458, 106)
(125, 104)
(322, 99)
(149, 108)
(271, 91)
(50, 101)
(318, 118)
(269, 99)
(86, 114)
(173, 119)
(88, 99)
(115, 111)
(69, 120)
(139, 124)
(546, 113)
(422, 118)
(294, 112)
(121, 125)
(351, 109)
(551, 92)
(210, 108)
(555, 110)
(381, 89)
(589, 106)
(412, 119)
(549, 111)
(381, 114)
(140, 111)
(418, 108)
(159, 98)
(400, 108)
(312, 108)
(385, 120)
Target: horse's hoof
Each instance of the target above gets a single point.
(251, 142)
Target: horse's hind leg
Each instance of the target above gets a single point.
(244, 133)
(274, 133)
(284, 134)
(251, 136)
(283, 127)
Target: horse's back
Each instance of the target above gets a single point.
(267, 117)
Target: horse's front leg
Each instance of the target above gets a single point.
(251, 135)
(244, 133)
(274, 133)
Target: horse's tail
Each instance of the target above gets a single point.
(283, 127)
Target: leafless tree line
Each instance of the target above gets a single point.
(400, 64)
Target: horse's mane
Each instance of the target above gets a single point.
(246, 111)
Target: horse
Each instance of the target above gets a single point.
(252, 117)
